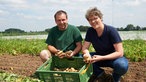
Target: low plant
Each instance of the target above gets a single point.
(10, 77)
(135, 50)
(21, 46)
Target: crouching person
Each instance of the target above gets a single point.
(64, 37)
(108, 49)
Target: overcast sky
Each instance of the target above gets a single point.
(38, 15)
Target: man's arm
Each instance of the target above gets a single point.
(52, 49)
(78, 48)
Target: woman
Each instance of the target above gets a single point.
(108, 49)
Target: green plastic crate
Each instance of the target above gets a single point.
(46, 73)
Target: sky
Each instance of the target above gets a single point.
(38, 15)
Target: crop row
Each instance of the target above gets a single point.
(135, 50)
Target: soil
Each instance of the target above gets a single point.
(26, 65)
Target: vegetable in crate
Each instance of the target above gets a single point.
(66, 69)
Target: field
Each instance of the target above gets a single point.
(26, 65)
(14, 61)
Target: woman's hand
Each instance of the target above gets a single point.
(87, 58)
(96, 58)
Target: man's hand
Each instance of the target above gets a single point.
(69, 54)
(60, 54)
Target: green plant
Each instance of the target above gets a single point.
(135, 50)
(21, 46)
(9, 77)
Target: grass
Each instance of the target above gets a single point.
(9, 77)
(21, 46)
(135, 50)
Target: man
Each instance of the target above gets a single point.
(108, 49)
(61, 36)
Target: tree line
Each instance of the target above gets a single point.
(129, 27)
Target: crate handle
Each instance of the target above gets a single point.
(87, 66)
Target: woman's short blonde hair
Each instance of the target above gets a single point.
(93, 11)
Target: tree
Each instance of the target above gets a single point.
(14, 30)
(129, 27)
(137, 28)
(83, 28)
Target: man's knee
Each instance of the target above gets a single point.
(45, 52)
(45, 55)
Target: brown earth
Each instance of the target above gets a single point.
(26, 65)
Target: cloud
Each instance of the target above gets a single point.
(133, 2)
(31, 17)
(129, 3)
(18, 4)
(25, 13)
(2, 12)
